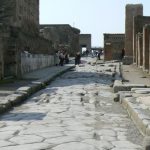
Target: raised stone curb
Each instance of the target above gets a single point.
(119, 86)
(137, 111)
(23, 93)
(127, 95)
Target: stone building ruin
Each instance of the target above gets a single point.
(62, 36)
(113, 45)
(131, 10)
(85, 42)
(137, 37)
(19, 33)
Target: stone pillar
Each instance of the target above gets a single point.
(139, 41)
(138, 23)
(131, 11)
(136, 57)
(146, 46)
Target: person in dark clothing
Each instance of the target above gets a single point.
(122, 53)
(61, 58)
(87, 52)
(99, 55)
(77, 58)
(66, 58)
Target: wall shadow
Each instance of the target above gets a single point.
(83, 78)
(22, 116)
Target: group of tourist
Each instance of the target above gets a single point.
(62, 57)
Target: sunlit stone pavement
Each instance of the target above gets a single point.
(75, 112)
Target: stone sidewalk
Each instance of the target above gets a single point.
(16, 91)
(133, 92)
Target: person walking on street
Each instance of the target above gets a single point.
(77, 58)
(99, 55)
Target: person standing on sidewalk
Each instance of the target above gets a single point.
(77, 58)
(99, 55)
(122, 53)
(61, 58)
(57, 58)
(66, 58)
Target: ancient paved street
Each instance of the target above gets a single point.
(75, 112)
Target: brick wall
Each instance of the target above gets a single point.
(131, 11)
(62, 35)
(20, 13)
(113, 45)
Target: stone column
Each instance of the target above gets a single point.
(136, 57)
(131, 11)
(146, 38)
(139, 60)
(138, 23)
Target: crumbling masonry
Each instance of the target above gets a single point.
(19, 28)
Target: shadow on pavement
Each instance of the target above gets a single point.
(85, 78)
(22, 116)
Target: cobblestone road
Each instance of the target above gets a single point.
(75, 112)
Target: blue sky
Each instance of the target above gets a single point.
(94, 17)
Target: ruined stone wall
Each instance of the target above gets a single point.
(131, 11)
(19, 32)
(31, 62)
(15, 41)
(34, 44)
(62, 36)
(75, 41)
(113, 45)
(21, 13)
(138, 23)
(85, 40)
(51, 34)
(8, 51)
(8, 12)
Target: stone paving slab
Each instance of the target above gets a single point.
(34, 81)
(66, 122)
